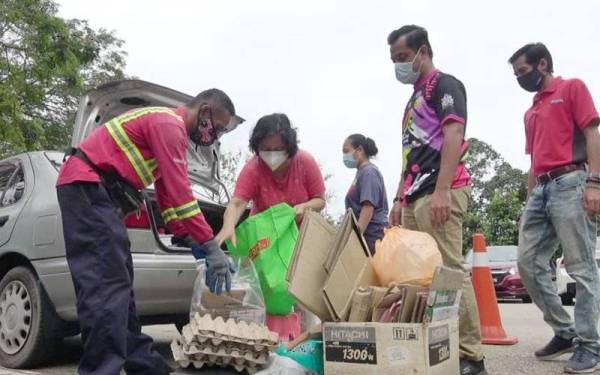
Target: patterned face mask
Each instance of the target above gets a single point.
(205, 133)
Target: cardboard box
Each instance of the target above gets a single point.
(409, 302)
(306, 274)
(391, 348)
(429, 348)
(340, 238)
(328, 265)
(444, 294)
(351, 268)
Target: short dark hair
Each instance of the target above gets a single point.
(216, 96)
(276, 123)
(533, 52)
(367, 144)
(416, 37)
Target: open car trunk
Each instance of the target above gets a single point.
(107, 101)
(213, 213)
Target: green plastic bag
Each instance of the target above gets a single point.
(269, 239)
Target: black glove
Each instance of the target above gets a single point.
(218, 273)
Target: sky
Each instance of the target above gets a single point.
(326, 63)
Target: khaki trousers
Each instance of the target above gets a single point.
(449, 240)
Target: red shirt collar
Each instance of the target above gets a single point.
(551, 87)
(421, 81)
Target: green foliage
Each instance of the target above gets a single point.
(46, 64)
(501, 220)
(499, 193)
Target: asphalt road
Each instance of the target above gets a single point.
(521, 320)
(524, 321)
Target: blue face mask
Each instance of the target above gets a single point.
(350, 161)
(405, 73)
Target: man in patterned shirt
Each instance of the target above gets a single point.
(435, 186)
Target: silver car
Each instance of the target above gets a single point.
(37, 298)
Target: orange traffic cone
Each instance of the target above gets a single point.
(489, 315)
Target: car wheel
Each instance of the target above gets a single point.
(567, 299)
(526, 299)
(27, 320)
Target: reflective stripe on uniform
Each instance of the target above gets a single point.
(168, 215)
(151, 163)
(143, 168)
(185, 211)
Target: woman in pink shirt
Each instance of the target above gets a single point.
(279, 172)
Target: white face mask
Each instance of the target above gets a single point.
(273, 159)
(405, 72)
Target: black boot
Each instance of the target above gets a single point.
(470, 367)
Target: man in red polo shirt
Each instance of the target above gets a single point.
(562, 138)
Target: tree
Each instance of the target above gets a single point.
(499, 193)
(46, 64)
(501, 220)
(329, 196)
(231, 163)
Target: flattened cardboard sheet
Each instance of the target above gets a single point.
(306, 274)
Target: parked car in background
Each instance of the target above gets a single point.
(505, 274)
(565, 285)
(37, 297)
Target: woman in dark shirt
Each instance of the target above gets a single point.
(366, 197)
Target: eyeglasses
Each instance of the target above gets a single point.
(234, 122)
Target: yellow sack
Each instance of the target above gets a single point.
(407, 257)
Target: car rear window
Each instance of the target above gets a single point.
(502, 254)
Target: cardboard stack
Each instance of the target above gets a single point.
(206, 342)
(368, 328)
(328, 265)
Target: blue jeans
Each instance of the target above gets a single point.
(555, 215)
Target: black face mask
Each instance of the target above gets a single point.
(531, 81)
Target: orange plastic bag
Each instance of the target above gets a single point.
(406, 256)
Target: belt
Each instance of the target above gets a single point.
(83, 157)
(557, 172)
(126, 198)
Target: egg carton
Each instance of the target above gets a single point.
(225, 347)
(208, 356)
(196, 352)
(204, 328)
(189, 337)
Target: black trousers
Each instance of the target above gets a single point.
(99, 257)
